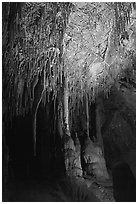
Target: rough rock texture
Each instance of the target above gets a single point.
(75, 189)
(94, 160)
(72, 157)
(119, 127)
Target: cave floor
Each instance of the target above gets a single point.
(47, 191)
(29, 191)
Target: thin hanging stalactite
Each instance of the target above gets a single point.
(33, 85)
(60, 120)
(55, 122)
(35, 112)
(66, 107)
(87, 114)
(98, 123)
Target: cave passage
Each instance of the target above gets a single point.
(69, 101)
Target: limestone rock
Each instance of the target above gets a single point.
(91, 152)
(95, 162)
(72, 157)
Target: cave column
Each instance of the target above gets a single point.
(71, 155)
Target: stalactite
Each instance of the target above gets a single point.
(36, 109)
(98, 123)
(87, 114)
(55, 122)
(33, 85)
(66, 107)
(60, 120)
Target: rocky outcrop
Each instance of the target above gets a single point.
(94, 161)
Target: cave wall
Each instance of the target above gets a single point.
(119, 126)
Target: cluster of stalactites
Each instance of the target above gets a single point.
(32, 52)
